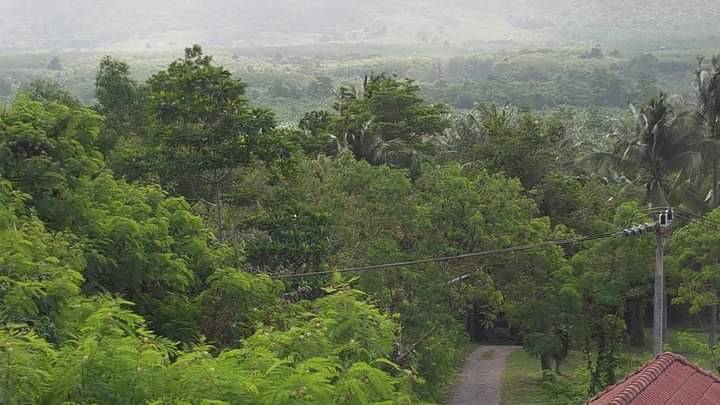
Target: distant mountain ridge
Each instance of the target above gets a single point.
(136, 24)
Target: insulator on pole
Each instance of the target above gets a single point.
(638, 230)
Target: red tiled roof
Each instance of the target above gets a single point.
(666, 379)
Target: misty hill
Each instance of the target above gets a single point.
(158, 24)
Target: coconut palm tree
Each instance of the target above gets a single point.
(707, 82)
(386, 121)
(660, 149)
(358, 134)
(365, 144)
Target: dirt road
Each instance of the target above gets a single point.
(479, 382)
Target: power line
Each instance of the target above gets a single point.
(482, 269)
(707, 224)
(698, 217)
(692, 218)
(453, 258)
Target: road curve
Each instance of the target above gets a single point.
(479, 382)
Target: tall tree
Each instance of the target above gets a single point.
(135, 242)
(386, 121)
(48, 91)
(660, 150)
(206, 126)
(119, 101)
(616, 276)
(55, 64)
(520, 144)
(697, 249)
(707, 82)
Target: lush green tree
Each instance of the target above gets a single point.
(604, 340)
(297, 240)
(707, 82)
(40, 271)
(316, 133)
(614, 281)
(26, 366)
(135, 241)
(120, 101)
(333, 351)
(386, 121)
(695, 247)
(206, 126)
(660, 151)
(708, 85)
(615, 275)
(519, 144)
(45, 149)
(544, 302)
(48, 91)
(373, 215)
(234, 303)
(582, 204)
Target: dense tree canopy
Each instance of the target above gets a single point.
(114, 289)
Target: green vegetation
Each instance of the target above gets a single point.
(521, 380)
(175, 241)
(299, 80)
(522, 383)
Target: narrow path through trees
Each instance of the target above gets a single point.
(479, 382)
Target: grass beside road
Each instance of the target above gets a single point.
(522, 379)
(520, 382)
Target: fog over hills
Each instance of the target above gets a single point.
(29, 25)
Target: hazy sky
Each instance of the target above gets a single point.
(28, 25)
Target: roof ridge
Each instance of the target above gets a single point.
(644, 377)
(647, 373)
(696, 367)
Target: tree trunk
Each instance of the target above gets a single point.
(469, 324)
(473, 327)
(712, 338)
(636, 313)
(659, 305)
(715, 185)
(546, 362)
(218, 209)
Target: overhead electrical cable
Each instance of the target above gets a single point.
(697, 217)
(522, 248)
(707, 224)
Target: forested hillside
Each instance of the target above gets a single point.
(172, 243)
(135, 25)
(292, 81)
